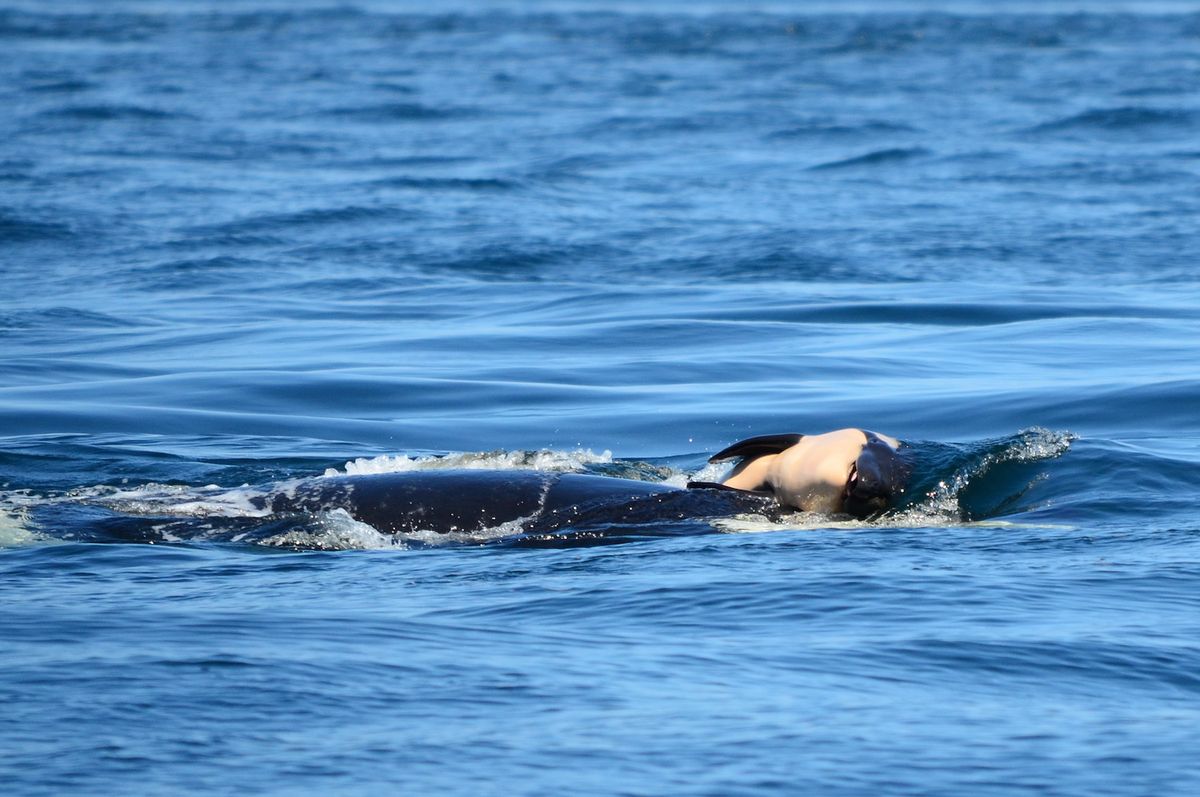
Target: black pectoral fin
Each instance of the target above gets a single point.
(708, 486)
(719, 486)
(757, 446)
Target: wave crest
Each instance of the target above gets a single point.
(544, 459)
(948, 499)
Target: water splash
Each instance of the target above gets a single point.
(943, 503)
(335, 531)
(544, 459)
(175, 499)
(14, 532)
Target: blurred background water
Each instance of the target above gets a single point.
(253, 241)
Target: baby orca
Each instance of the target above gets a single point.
(850, 471)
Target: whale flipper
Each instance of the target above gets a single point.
(719, 486)
(757, 446)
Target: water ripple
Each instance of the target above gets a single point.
(881, 157)
(1121, 120)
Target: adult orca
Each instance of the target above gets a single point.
(849, 471)
(461, 500)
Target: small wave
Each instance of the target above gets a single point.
(109, 27)
(104, 113)
(1119, 120)
(506, 262)
(545, 459)
(378, 164)
(15, 170)
(319, 20)
(205, 265)
(647, 125)
(398, 112)
(881, 157)
(776, 257)
(574, 167)
(66, 86)
(310, 217)
(17, 229)
(944, 500)
(882, 39)
(829, 130)
(197, 272)
(445, 183)
(62, 318)
(1156, 91)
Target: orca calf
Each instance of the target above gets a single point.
(850, 471)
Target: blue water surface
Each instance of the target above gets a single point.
(248, 242)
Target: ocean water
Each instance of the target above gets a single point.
(249, 242)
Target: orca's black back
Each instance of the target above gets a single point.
(459, 500)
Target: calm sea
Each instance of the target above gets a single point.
(247, 242)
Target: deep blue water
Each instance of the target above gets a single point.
(249, 242)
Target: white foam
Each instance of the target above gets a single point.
(545, 459)
(478, 537)
(799, 521)
(811, 521)
(336, 531)
(14, 532)
(14, 519)
(154, 498)
(711, 472)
